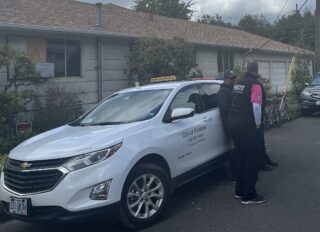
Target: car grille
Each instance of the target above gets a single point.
(315, 94)
(41, 176)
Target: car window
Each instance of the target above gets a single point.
(127, 107)
(208, 93)
(188, 97)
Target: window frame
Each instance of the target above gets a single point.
(203, 103)
(81, 43)
(221, 57)
(164, 119)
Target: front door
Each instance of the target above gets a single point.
(185, 137)
(217, 142)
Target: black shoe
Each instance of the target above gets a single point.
(257, 200)
(266, 168)
(273, 164)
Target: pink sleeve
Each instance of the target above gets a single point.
(256, 94)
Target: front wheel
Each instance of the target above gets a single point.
(144, 196)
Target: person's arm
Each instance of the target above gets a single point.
(224, 106)
(256, 100)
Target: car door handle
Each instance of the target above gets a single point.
(207, 119)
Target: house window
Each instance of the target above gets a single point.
(225, 61)
(66, 57)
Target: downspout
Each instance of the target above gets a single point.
(99, 68)
(99, 52)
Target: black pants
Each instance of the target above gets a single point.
(265, 159)
(248, 158)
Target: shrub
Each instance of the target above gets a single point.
(12, 100)
(3, 159)
(152, 57)
(300, 76)
(56, 107)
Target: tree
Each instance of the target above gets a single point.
(13, 101)
(169, 8)
(296, 29)
(317, 37)
(214, 20)
(256, 24)
(152, 57)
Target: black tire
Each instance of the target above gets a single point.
(286, 113)
(127, 217)
(276, 116)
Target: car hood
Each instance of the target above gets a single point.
(67, 141)
(312, 88)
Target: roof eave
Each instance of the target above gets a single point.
(58, 30)
(97, 33)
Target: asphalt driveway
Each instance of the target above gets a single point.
(207, 204)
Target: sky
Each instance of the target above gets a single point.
(233, 10)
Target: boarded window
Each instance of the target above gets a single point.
(36, 50)
(66, 57)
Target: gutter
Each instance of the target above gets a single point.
(87, 32)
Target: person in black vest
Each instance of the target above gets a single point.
(224, 98)
(245, 121)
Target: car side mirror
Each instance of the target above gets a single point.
(306, 84)
(181, 113)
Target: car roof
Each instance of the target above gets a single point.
(169, 85)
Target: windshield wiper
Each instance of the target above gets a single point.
(103, 123)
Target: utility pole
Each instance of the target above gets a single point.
(317, 37)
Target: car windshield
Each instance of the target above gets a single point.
(126, 107)
(316, 80)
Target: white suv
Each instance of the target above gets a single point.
(123, 157)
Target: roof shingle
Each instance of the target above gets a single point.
(74, 15)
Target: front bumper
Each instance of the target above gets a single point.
(59, 214)
(310, 105)
(70, 199)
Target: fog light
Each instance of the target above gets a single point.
(100, 191)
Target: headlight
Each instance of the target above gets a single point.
(306, 93)
(92, 158)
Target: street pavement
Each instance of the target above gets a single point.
(207, 204)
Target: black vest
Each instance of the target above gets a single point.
(241, 114)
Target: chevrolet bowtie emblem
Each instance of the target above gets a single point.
(25, 165)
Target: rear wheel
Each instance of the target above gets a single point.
(144, 196)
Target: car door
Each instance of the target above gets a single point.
(184, 138)
(217, 142)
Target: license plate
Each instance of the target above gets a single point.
(18, 206)
(318, 103)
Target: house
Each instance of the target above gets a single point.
(85, 46)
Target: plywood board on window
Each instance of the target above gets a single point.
(36, 50)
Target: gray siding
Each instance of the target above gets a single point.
(115, 66)
(206, 59)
